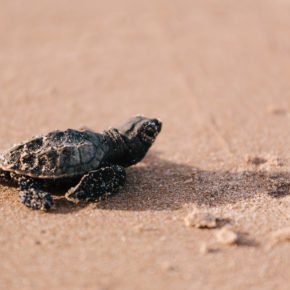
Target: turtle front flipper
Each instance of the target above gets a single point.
(93, 185)
(32, 196)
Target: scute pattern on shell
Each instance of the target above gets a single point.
(57, 154)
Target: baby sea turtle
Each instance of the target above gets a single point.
(92, 163)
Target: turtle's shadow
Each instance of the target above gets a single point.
(164, 185)
(157, 184)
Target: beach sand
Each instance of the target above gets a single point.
(217, 73)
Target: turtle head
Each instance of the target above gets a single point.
(140, 133)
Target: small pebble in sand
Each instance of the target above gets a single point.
(189, 180)
(141, 228)
(275, 161)
(273, 110)
(226, 236)
(200, 219)
(205, 248)
(278, 187)
(282, 235)
(255, 160)
(166, 266)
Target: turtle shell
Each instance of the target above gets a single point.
(58, 154)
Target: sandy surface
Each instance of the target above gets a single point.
(218, 75)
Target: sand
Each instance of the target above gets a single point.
(218, 75)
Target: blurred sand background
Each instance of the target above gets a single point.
(217, 72)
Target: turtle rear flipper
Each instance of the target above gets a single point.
(32, 196)
(5, 178)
